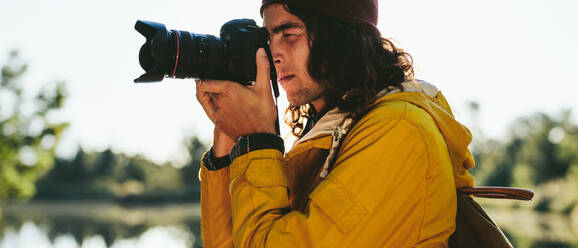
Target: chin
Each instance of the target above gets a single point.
(294, 102)
(291, 102)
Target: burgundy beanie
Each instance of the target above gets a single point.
(361, 13)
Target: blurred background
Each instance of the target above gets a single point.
(90, 159)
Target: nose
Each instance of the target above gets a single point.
(276, 53)
(277, 57)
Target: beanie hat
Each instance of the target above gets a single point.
(360, 13)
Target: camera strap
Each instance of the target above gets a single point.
(273, 76)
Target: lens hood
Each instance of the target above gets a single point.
(154, 55)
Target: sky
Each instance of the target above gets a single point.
(513, 57)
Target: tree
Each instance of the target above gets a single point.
(190, 171)
(549, 149)
(539, 149)
(27, 137)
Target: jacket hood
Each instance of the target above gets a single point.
(456, 135)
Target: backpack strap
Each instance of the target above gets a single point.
(338, 136)
(498, 192)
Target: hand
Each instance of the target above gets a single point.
(238, 110)
(222, 143)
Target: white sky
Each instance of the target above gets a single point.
(514, 57)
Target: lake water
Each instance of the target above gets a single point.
(99, 225)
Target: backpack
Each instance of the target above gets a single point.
(474, 227)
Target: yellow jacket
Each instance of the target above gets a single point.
(393, 184)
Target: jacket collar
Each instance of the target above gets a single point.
(330, 122)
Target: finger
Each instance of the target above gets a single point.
(206, 102)
(215, 86)
(202, 97)
(262, 83)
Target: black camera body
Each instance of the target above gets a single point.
(180, 54)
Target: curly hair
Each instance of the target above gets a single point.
(350, 63)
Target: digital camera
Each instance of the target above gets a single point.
(181, 54)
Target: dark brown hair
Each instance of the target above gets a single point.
(350, 63)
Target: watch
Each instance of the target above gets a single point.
(213, 163)
(256, 141)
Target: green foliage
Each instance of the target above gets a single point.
(544, 152)
(190, 171)
(107, 175)
(541, 154)
(27, 137)
(540, 149)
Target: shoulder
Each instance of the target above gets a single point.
(391, 125)
(397, 125)
(396, 111)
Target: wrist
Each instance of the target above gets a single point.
(221, 144)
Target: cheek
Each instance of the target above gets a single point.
(301, 56)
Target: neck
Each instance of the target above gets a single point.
(319, 104)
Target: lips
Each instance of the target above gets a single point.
(284, 78)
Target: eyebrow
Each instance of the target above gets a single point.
(285, 26)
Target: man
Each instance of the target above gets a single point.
(379, 155)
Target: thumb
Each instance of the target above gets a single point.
(262, 82)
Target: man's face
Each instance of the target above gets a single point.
(289, 45)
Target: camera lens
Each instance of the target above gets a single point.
(198, 55)
(179, 54)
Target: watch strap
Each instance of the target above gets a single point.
(256, 141)
(213, 163)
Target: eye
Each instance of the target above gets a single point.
(288, 35)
